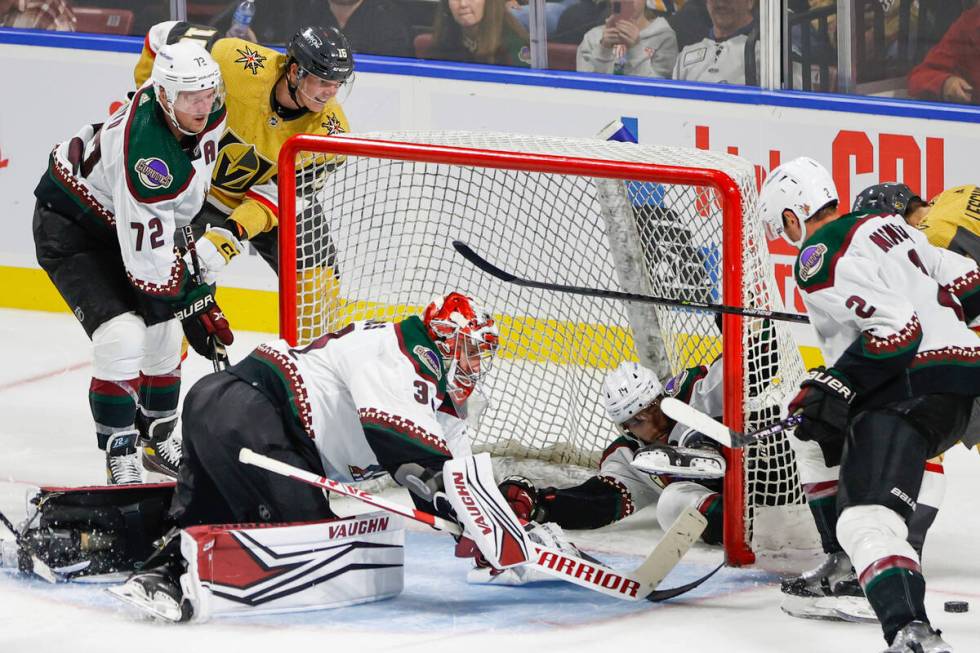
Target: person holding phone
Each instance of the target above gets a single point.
(631, 41)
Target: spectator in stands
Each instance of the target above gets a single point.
(951, 70)
(371, 26)
(729, 54)
(553, 9)
(690, 22)
(479, 31)
(632, 41)
(37, 14)
(581, 16)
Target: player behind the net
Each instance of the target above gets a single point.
(890, 312)
(653, 460)
(371, 398)
(104, 224)
(271, 96)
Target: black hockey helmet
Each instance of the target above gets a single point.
(323, 52)
(890, 197)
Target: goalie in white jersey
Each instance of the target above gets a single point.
(371, 398)
(107, 210)
(891, 313)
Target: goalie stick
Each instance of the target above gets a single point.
(219, 356)
(491, 269)
(692, 418)
(635, 585)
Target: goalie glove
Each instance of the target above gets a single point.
(215, 249)
(824, 401)
(680, 462)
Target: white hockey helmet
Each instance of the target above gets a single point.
(628, 389)
(803, 186)
(186, 71)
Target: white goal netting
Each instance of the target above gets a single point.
(373, 240)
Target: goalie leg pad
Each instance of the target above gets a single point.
(252, 570)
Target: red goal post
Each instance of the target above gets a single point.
(390, 173)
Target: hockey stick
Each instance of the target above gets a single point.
(636, 585)
(39, 567)
(692, 418)
(219, 356)
(503, 275)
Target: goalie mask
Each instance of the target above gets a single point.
(191, 83)
(631, 394)
(804, 187)
(466, 336)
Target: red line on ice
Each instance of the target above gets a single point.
(43, 376)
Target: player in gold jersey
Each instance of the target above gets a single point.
(270, 97)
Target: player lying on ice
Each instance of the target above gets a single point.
(891, 314)
(654, 460)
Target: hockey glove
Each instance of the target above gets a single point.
(824, 401)
(522, 497)
(215, 249)
(203, 320)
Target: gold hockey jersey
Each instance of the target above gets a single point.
(953, 222)
(243, 184)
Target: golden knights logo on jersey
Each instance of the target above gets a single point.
(250, 59)
(239, 165)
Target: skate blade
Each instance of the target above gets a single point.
(147, 606)
(809, 607)
(855, 609)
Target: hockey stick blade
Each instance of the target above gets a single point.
(40, 568)
(467, 252)
(635, 585)
(692, 418)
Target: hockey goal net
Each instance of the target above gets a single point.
(371, 238)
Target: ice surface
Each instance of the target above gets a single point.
(46, 437)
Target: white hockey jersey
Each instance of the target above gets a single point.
(702, 389)
(131, 181)
(890, 309)
(371, 396)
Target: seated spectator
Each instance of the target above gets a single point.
(690, 22)
(37, 14)
(371, 26)
(582, 15)
(632, 41)
(951, 70)
(479, 31)
(730, 52)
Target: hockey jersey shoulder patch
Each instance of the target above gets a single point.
(156, 168)
(619, 443)
(817, 261)
(415, 344)
(681, 386)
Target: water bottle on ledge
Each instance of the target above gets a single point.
(242, 20)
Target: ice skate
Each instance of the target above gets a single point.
(831, 591)
(156, 592)
(161, 445)
(919, 637)
(121, 462)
